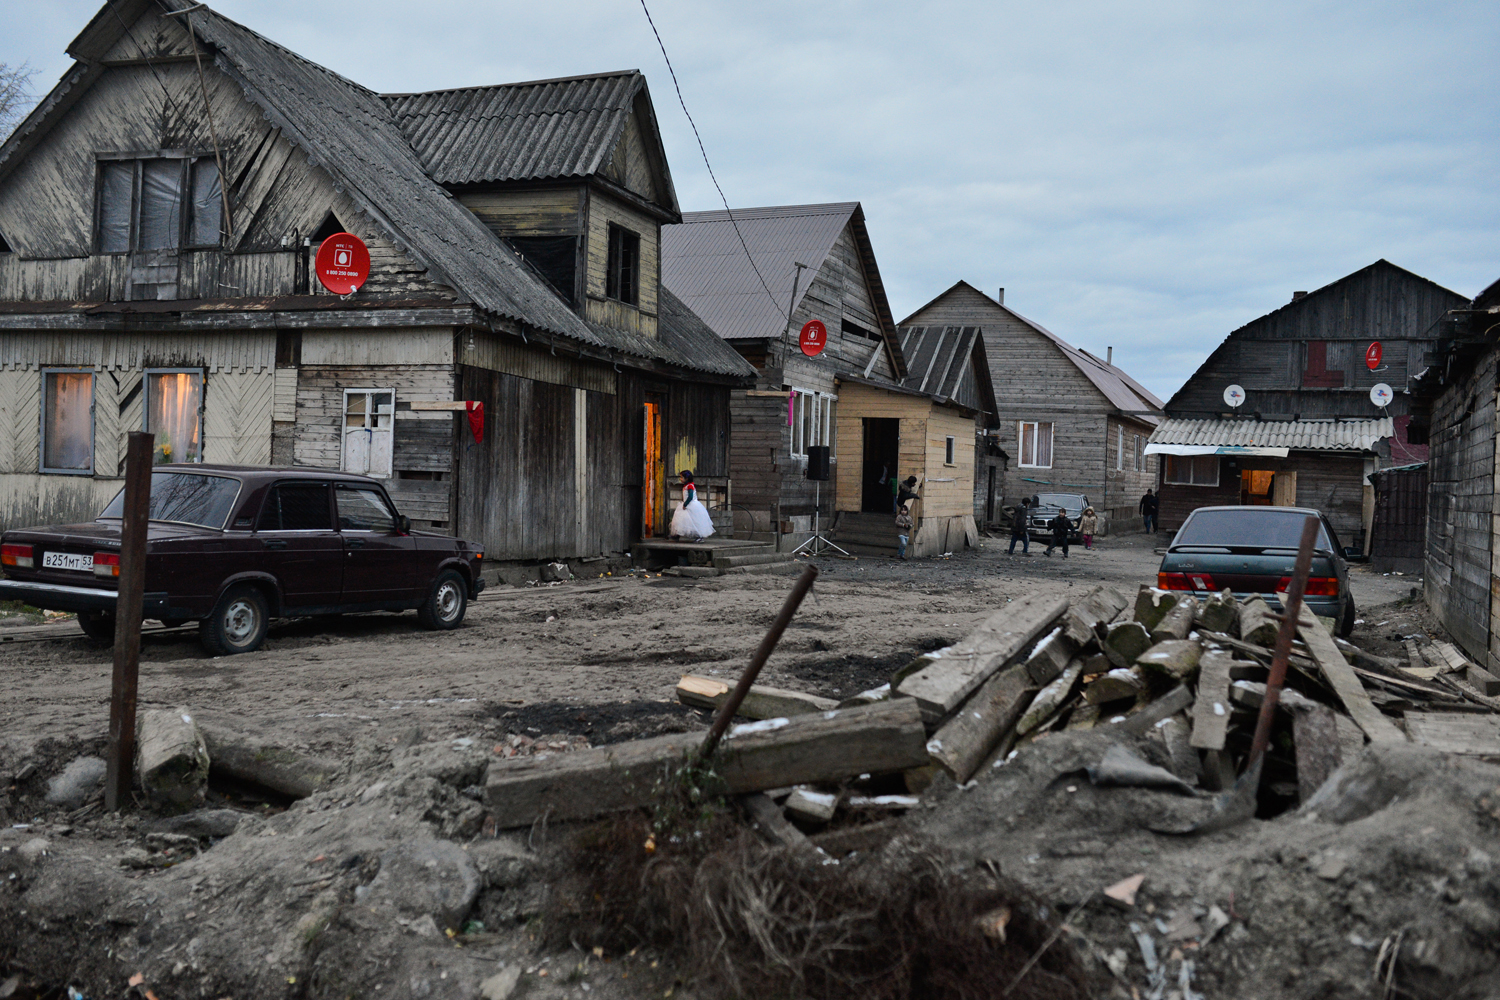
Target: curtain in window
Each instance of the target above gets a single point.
(116, 181)
(161, 205)
(1044, 445)
(174, 399)
(207, 204)
(68, 423)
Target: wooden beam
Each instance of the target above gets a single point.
(767, 818)
(828, 746)
(1345, 684)
(760, 703)
(967, 739)
(439, 404)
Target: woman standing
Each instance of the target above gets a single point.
(691, 521)
(1088, 526)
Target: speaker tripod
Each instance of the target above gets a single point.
(818, 541)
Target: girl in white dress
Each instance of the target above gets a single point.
(691, 520)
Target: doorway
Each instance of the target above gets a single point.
(1255, 487)
(989, 503)
(654, 478)
(882, 449)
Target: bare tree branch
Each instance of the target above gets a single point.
(16, 97)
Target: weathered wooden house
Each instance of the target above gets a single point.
(1453, 409)
(1066, 421)
(159, 210)
(931, 426)
(759, 304)
(1307, 432)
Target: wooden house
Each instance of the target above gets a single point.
(1307, 432)
(158, 214)
(759, 304)
(932, 427)
(1066, 421)
(1453, 409)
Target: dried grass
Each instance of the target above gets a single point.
(753, 921)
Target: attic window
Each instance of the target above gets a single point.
(330, 226)
(4, 246)
(163, 203)
(1324, 369)
(854, 330)
(622, 279)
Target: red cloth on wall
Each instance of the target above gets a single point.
(476, 420)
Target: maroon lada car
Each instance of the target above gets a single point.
(232, 547)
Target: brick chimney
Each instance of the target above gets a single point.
(1000, 297)
(1298, 295)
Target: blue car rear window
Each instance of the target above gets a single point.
(1271, 529)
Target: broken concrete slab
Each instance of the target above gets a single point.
(278, 768)
(1177, 658)
(1124, 641)
(761, 702)
(171, 761)
(767, 818)
(828, 746)
(1211, 711)
(967, 739)
(1256, 624)
(1096, 608)
(1220, 612)
(1177, 623)
(1152, 605)
(1116, 685)
(1050, 698)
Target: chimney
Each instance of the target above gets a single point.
(1109, 355)
(1298, 295)
(1001, 297)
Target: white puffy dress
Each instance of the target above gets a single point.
(691, 518)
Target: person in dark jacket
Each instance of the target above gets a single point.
(1060, 526)
(1149, 507)
(1018, 532)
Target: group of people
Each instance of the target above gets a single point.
(1061, 526)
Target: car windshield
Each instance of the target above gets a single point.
(186, 497)
(1247, 527)
(1068, 500)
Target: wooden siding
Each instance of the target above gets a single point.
(213, 350)
(509, 355)
(1459, 578)
(603, 210)
(1124, 485)
(529, 212)
(392, 346)
(1399, 538)
(761, 448)
(630, 164)
(955, 497)
(237, 417)
(1268, 356)
(925, 427)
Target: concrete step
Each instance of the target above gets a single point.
(750, 559)
(693, 571)
(764, 569)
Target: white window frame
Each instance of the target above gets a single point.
(1140, 454)
(202, 374)
(1119, 448)
(369, 393)
(93, 424)
(813, 416)
(1036, 426)
(950, 451)
(1174, 462)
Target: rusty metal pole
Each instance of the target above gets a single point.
(1291, 612)
(762, 654)
(132, 588)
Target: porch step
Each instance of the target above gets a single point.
(867, 534)
(738, 559)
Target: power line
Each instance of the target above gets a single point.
(728, 211)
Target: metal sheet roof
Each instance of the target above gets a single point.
(518, 131)
(937, 356)
(703, 261)
(1294, 435)
(685, 334)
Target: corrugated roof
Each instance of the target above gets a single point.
(539, 130)
(349, 132)
(685, 333)
(937, 356)
(1119, 388)
(1298, 435)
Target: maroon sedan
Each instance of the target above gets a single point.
(232, 547)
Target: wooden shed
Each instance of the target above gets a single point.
(1398, 539)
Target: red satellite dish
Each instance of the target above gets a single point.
(343, 263)
(1372, 355)
(814, 337)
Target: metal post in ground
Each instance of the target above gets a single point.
(132, 587)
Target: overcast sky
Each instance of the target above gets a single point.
(1146, 176)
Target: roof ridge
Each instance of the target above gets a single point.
(519, 83)
(783, 211)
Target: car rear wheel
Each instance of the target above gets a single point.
(1346, 623)
(238, 622)
(446, 603)
(98, 625)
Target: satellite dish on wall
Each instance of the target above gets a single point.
(1381, 395)
(1234, 396)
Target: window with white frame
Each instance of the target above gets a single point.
(1140, 454)
(1192, 470)
(948, 451)
(369, 431)
(814, 418)
(68, 421)
(1119, 448)
(1036, 444)
(174, 414)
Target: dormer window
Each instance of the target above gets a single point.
(622, 281)
(159, 203)
(4, 246)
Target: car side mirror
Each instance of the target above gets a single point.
(403, 524)
(1352, 554)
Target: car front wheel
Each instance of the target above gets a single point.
(238, 622)
(98, 625)
(446, 603)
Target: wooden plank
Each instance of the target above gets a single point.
(1211, 712)
(1483, 681)
(760, 703)
(1345, 684)
(768, 820)
(440, 404)
(1315, 738)
(1095, 608)
(951, 675)
(1475, 735)
(973, 733)
(828, 746)
(1176, 700)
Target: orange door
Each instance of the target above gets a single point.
(653, 498)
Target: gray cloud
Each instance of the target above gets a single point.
(1143, 176)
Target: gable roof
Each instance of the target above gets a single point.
(703, 261)
(351, 134)
(538, 130)
(1301, 302)
(948, 362)
(1122, 391)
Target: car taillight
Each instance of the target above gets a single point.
(1173, 581)
(479, 555)
(107, 564)
(1201, 581)
(1317, 586)
(16, 555)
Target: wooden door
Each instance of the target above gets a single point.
(654, 488)
(1284, 489)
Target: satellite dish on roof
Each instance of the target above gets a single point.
(1381, 395)
(1234, 396)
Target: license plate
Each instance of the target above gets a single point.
(68, 560)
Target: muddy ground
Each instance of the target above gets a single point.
(325, 890)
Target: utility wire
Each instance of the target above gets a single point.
(701, 149)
